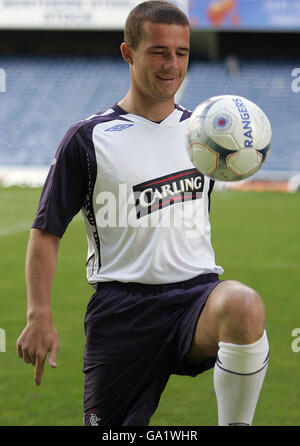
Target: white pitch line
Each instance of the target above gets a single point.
(23, 227)
(15, 229)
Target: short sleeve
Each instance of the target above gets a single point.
(66, 185)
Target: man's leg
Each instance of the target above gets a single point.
(231, 326)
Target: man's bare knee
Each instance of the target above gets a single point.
(233, 313)
(241, 314)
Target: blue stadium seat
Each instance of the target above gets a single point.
(46, 95)
(266, 83)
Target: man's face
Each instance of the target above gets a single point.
(160, 62)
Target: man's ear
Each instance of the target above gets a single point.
(126, 51)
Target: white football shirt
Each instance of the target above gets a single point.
(146, 207)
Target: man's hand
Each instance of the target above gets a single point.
(37, 340)
(39, 336)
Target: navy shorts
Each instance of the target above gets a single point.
(137, 336)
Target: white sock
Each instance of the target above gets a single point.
(238, 377)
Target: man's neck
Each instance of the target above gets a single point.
(154, 111)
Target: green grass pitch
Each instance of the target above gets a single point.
(256, 240)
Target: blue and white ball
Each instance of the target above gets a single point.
(228, 138)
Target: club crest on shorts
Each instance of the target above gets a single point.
(94, 419)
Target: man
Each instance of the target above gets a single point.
(159, 306)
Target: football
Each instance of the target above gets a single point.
(228, 137)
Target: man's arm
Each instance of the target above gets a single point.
(39, 336)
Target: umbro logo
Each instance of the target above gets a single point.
(118, 127)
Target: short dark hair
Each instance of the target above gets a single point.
(153, 11)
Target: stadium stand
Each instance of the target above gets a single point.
(47, 94)
(266, 83)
